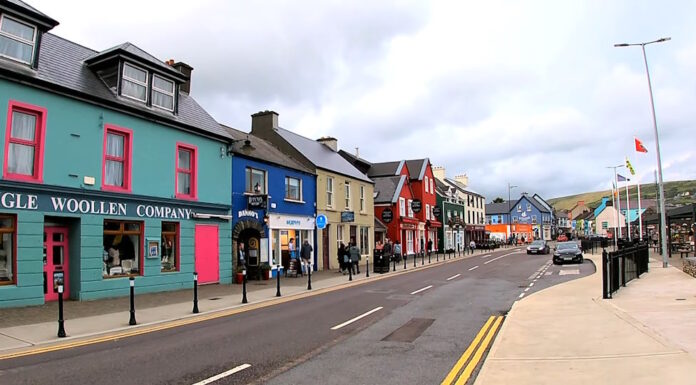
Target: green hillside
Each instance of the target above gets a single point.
(648, 191)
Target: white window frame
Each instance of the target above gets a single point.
(426, 183)
(125, 78)
(427, 211)
(362, 199)
(299, 186)
(329, 192)
(346, 186)
(432, 189)
(529, 207)
(19, 39)
(402, 207)
(409, 208)
(165, 92)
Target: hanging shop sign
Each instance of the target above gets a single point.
(348, 216)
(387, 215)
(437, 211)
(416, 205)
(256, 202)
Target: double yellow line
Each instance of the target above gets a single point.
(486, 333)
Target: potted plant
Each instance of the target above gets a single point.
(239, 275)
(265, 270)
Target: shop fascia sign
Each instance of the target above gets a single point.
(278, 221)
(80, 205)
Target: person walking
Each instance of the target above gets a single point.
(430, 246)
(342, 253)
(387, 251)
(472, 246)
(397, 250)
(354, 253)
(306, 254)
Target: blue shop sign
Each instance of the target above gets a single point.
(321, 221)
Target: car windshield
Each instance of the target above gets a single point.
(538, 243)
(567, 246)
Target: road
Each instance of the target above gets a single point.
(414, 327)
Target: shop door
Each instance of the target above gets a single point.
(325, 246)
(207, 253)
(55, 262)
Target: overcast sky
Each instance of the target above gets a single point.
(532, 93)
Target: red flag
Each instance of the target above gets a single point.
(639, 146)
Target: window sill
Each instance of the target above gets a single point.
(186, 197)
(294, 201)
(116, 276)
(169, 271)
(8, 283)
(253, 193)
(116, 189)
(23, 178)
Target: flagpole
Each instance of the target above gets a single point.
(618, 203)
(616, 217)
(628, 212)
(640, 214)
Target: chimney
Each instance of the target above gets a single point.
(329, 142)
(357, 152)
(264, 121)
(581, 203)
(463, 179)
(184, 69)
(439, 172)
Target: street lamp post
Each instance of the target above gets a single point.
(663, 219)
(615, 200)
(510, 187)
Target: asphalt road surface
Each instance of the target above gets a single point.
(406, 329)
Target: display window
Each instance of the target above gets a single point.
(122, 248)
(8, 258)
(170, 247)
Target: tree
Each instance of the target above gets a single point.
(498, 200)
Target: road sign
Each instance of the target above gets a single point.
(321, 221)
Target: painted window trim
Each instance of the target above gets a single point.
(126, 78)
(39, 140)
(165, 92)
(402, 206)
(19, 39)
(128, 158)
(348, 197)
(289, 198)
(363, 203)
(265, 181)
(194, 171)
(330, 203)
(14, 280)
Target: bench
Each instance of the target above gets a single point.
(685, 252)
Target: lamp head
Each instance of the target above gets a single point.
(621, 45)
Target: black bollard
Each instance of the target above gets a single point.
(428, 257)
(437, 257)
(350, 271)
(244, 282)
(422, 258)
(415, 256)
(393, 263)
(367, 267)
(195, 293)
(404, 262)
(309, 276)
(278, 281)
(61, 323)
(132, 302)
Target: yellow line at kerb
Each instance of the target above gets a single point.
(460, 363)
(479, 353)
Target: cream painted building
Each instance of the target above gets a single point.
(344, 194)
(605, 221)
(474, 204)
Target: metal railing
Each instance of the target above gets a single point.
(621, 266)
(593, 245)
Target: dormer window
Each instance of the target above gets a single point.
(134, 84)
(162, 93)
(17, 39)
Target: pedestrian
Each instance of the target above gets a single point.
(342, 252)
(355, 257)
(472, 245)
(387, 250)
(430, 246)
(306, 254)
(397, 250)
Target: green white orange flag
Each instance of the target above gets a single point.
(639, 145)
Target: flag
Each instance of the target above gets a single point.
(639, 145)
(613, 188)
(630, 167)
(621, 178)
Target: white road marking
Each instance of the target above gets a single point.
(569, 272)
(423, 289)
(223, 374)
(531, 284)
(485, 256)
(547, 273)
(496, 258)
(453, 277)
(526, 290)
(521, 295)
(473, 268)
(350, 321)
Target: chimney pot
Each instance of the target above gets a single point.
(330, 142)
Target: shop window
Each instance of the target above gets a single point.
(8, 258)
(17, 39)
(255, 181)
(293, 188)
(118, 144)
(186, 171)
(122, 248)
(329, 192)
(24, 142)
(170, 246)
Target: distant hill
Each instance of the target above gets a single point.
(677, 193)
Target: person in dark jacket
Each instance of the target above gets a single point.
(387, 250)
(306, 254)
(342, 253)
(354, 257)
(430, 246)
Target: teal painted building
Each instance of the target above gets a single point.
(110, 170)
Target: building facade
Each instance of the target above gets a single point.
(452, 209)
(110, 171)
(475, 205)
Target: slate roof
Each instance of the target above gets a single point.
(322, 156)
(387, 188)
(441, 187)
(361, 164)
(384, 169)
(61, 67)
(584, 215)
(499, 208)
(138, 52)
(416, 168)
(461, 187)
(24, 7)
(263, 150)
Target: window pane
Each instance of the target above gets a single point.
(169, 247)
(258, 181)
(6, 250)
(121, 255)
(130, 226)
(134, 90)
(183, 183)
(164, 85)
(23, 126)
(15, 49)
(113, 175)
(20, 159)
(163, 100)
(114, 145)
(247, 180)
(292, 188)
(184, 159)
(18, 29)
(134, 73)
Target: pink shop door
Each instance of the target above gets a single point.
(207, 254)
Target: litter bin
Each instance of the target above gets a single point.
(381, 263)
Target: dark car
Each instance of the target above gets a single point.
(538, 247)
(567, 252)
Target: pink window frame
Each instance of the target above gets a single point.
(127, 158)
(193, 171)
(38, 143)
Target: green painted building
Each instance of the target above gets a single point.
(451, 234)
(110, 170)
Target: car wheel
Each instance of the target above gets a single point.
(528, 253)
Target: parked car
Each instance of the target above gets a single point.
(562, 238)
(538, 247)
(567, 252)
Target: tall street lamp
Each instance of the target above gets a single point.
(614, 201)
(510, 187)
(663, 220)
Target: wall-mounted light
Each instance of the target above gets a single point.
(230, 148)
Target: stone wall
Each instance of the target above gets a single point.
(690, 266)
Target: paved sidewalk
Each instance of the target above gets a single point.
(23, 328)
(568, 334)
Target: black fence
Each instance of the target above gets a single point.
(621, 266)
(593, 245)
